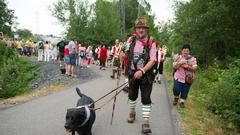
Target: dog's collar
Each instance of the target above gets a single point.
(88, 113)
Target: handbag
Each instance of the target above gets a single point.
(188, 77)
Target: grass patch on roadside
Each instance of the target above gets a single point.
(34, 94)
(195, 119)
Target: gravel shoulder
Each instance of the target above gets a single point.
(49, 73)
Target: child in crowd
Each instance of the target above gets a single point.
(82, 56)
(67, 60)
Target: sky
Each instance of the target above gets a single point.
(36, 16)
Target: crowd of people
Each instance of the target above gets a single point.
(23, 47)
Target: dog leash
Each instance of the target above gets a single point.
(124, 84)
(107, 101)
(117, 93)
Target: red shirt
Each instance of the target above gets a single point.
(66, 52)
(103, 53)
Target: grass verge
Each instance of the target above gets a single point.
(34, 94)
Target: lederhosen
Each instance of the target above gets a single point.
(146, 82)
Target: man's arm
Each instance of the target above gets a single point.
(149, 65)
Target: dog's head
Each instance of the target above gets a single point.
(75, 118)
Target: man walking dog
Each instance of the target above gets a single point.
(141, 54)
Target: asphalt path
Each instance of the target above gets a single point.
(46, 115)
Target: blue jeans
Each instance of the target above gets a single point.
(181, 89)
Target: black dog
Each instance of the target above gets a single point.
(81, 118)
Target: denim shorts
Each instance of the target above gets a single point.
(66, 60)
(72, 58)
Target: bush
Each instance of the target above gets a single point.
(15, 73)
(225, 96)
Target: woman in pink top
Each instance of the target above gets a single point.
(89, 55)
(184, 66)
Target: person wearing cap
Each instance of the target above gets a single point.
(141, 53)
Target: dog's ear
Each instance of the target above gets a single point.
(79, 92)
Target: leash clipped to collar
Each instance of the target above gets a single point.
(88, 113)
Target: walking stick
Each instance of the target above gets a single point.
(115, 97)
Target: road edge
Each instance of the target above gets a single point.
(175, 117)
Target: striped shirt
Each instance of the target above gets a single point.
(180, 73)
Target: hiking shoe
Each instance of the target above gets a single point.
(132, 117)
(175, 101)
(146, 129)
(181, 104)
(112, 77)
(159, 81)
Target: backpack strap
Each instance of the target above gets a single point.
(146, 55)
(130, 52)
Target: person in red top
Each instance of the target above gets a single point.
(67, 60)
(103, 57)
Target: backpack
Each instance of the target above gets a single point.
(62, 44)
(82, 53)
(146, 56)
(40, 45)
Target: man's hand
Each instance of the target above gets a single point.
(138, 75)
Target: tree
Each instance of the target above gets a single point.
(107, 21)
(74, 15)
(25, 34)
(6, 19)
(210, 26)
(99, 23)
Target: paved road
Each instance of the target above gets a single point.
(46, 115)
